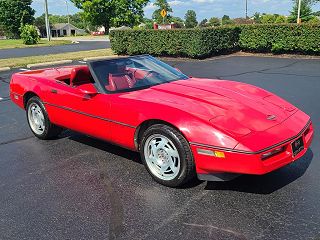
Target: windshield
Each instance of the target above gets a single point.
(132, 73)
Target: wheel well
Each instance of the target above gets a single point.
(145, 125)
(27, 96)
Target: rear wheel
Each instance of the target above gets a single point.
(38, 120)
(167, 156)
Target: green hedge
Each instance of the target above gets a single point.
(195, 43)
(288, 38)
(206, 42)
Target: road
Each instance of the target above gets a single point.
(37, 51)
(77, 187)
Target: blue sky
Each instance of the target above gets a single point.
(203, 8)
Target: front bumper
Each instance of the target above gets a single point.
(250, 163)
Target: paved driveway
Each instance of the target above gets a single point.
(77, 187)
(37, 51)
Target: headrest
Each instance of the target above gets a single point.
(80, 75)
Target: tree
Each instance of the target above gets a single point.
(204, 23)
(268, 19)
(40, 23)
(1, 31)
(128, 12)
(161, 4)
(108, 13)
(214, 22)
(257, 17)
(305, 13)
(78, 20)
(14, 14)
(148, 23)
(29, 34)
(226, 20)
(281, 19)
(314, 20)
(191, 19)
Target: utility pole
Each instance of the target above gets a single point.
(299, 12)
(47, 20)
(246, 9)
(68, 12)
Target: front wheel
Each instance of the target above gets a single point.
(38, 120)
(167, 156)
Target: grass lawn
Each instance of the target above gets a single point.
(17, 43)
(24, 61)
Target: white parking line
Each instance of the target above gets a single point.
(23, 69)
(82, 62)
(1, 98)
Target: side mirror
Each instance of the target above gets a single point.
(88, 90)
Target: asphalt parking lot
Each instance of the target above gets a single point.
(77, 187)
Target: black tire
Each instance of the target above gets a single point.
(50, 130)
(187, 167)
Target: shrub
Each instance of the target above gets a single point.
(195, 43)
(206, 42)
(285, 38)
(268, 19)
(281, 19)
(314, 20)
(29, 35)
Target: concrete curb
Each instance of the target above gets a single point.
(5, 69)
(102, 57)
(48, 63)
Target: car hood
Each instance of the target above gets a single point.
(232, 107)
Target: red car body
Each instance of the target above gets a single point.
(252, 130)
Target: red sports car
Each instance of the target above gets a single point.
(182, 126)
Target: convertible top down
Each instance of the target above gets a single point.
(181, 126)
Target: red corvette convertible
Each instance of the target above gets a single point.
(181, 126)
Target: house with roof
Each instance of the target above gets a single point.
(65, 29)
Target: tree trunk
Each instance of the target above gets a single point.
(106, 28)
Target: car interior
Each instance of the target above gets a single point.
(114, 76)
(118, 76)
(80, 75)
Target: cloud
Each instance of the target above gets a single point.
(150, 6)
(176, 3)
(203, 1)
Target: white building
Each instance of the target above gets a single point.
(65, 29)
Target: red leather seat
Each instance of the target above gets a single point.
(80, 75)
(120, 82)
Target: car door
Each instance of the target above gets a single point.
(74, 109)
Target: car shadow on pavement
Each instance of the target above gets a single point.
(116, 150)
(268, 183)
(264, 184)
(105, 146)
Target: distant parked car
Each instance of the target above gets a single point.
(98, 33)
(181, 126)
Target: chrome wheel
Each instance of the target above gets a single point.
(162, 157)
(36, 118)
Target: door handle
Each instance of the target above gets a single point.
(54, 91)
